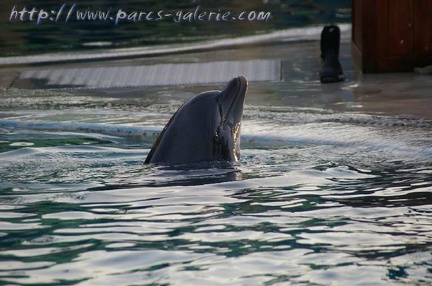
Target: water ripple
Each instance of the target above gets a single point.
(318, 198)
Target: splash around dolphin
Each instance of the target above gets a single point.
(205, 128)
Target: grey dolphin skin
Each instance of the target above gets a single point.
(205, 128)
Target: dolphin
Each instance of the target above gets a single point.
(205, 128)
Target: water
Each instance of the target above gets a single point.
(320, 196)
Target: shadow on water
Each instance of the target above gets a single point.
(401, 186)
(193, 174)
(208, 173)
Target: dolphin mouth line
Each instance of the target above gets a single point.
(242, 86)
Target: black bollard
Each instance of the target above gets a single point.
(331, 70)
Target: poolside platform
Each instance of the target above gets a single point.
(275, 64)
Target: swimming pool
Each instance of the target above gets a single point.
(325, 193)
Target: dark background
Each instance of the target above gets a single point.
(21, 38)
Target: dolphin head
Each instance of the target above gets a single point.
(226, 141)
(204, 128)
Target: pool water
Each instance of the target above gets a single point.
(320, 196)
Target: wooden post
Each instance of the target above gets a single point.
(391, 35)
